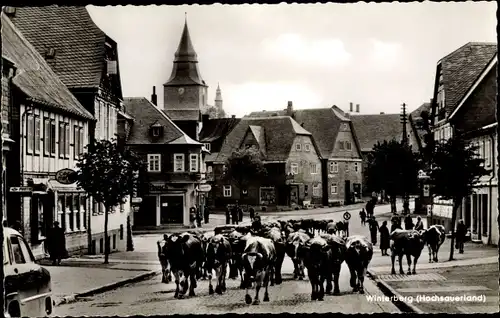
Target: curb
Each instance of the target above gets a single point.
(396, 297)
(101, 289)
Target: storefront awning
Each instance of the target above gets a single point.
(59, 187)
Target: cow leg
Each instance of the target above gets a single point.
(224, 272)
(277, 271)
(177, 281)
(329, 286)
(361, 279)
(393, 259)
(436, 254)
(258, 285)
(415, 260)
(210, 286)
(192, 286)
(242, 284)
(312, 280)
(233, 269)
(336, 276)
(430, 253)
(301, 268)
(218, 271)
(266, 284)
(321, 292)
(248, 285)
(354, 279)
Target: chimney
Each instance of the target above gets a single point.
(233, 116)
(357, 108)
(154, 98)
(350, 108)
(289, 109)
(382, 113)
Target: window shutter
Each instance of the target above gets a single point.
(81, 140)
(46, 136)
(37, 134)
(29, 135)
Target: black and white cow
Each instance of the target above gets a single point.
(409, 243)
(336, 256)
(237, 247)
(316, 260)
(218, 256)
(295, 241)
(204, 242)
(358, 255)
(275, 235)
(186, 256)
(259, 259)
(434, 237)
(162, 256)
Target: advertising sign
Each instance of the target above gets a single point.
(66, 176)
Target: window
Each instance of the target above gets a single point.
(46, 136)
(294, 167)
(307, 147)
(62, 132)
(316, 190)
(83, 209)
(333, 189)
(21, 251)
(66, 140)
(227, 191)
(298, 147)
(334, 167)
(348, 145)
(76, 201)
(29, 135)
(71, 212)
(341, 145)
(487, 158)
(156, 131)
(178, 162)
(314, 168)
(482, 148)
(154, 162)
(37, 135)
(53, 137)
(347, 166)
(356, 167)
(207, 146)
(193, 163)
(82, 140)
(76, 142)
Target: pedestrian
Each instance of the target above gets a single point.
(362, 216)
(234, 214)
(240, 212)
(252, 213)
(373, 226)
(384, 238)
(193, 217)
(228, 215)
(460, 236)
(206, 214)
(198, 216)
(56, 244)
(420, 225)
(346, 227)
(256, 225)
(409, 222)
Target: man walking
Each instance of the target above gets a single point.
(374, 227)
(408, 222)
(461, 233)
(56, 244)
(362, 216)
(206, 214)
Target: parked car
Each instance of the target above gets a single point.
(28, 287)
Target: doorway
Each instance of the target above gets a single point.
(347, 198)
(171, 209)
(146, 215)
(294, 194)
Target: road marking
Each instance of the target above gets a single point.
(478, 309)
(417, 277)
(443, 289)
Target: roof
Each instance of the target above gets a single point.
(461, 69)
(279, 133)
(185, 70)
(145, 115)
(415, 120)
(34, 77)
(371, 129)
(424, 107)
(79, 44)
(183, 114)
(214, 129)
(323, 123)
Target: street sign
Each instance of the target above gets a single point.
(426, 190)
(347, 216)
(21, 189)
(136, 200)
(204, 188)
(66, 176)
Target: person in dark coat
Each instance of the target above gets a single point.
(373, 226)
(240, 212)
(56, 244)
(384, 238)
(460, 236)
(396, 224)
(252, 213)
(362, 216)
(206, 214)
(198, 216)
(419, 226)
(228, 214)
(234, 214)
(369, 208)
(409, 223)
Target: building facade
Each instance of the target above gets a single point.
(60, 33)
(169, 187)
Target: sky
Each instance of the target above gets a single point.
(315, 55)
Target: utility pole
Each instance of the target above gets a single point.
(404, 141)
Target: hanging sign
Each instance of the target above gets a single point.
(204, 188)
(21, 189)
(66, 176)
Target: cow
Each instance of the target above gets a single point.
(316, 259)
(336, 256)
(434, 237)
(275, 235)
(224, 229)
(218, 256)
(186, 256)
(162, 256)
(237, 247)
(331, 228)
(295, 241)
(358, 255)
(204, 241)
(409, 243)
(259, 259)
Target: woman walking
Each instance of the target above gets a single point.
(362, 216)
(373, 226)
(384, 238)
(461, 232)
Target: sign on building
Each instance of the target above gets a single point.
(427, 191)
(21, 189)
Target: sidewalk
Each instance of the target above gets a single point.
(474, 273)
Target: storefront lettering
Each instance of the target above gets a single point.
(157, 187)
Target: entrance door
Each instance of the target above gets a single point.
(171, 209)
(294, 194)
(146, 216)
(347, 199)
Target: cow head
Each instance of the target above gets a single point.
(252, 263)
(216, 247)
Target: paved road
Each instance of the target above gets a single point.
(154, 298)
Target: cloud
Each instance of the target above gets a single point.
(386, 53)
(292, 46)
(258, 96)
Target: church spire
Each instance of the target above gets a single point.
(185, 51)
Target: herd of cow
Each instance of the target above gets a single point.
(255, 252)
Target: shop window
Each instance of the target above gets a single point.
(71, 213)
(76, 200)
(83, 208)
(316, 190)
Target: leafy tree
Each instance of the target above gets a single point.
(455, 169)
(392, 167)
(244, 167)
(107, 173)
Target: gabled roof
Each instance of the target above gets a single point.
(214, 129)
(145, 114)
(371, 129)
(462, 68)
(79, 44)
(259, 134)
(34, 76)
(279, 133)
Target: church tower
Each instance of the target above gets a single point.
(185, 92)
(218, 102)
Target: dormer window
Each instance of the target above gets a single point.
(156, 130)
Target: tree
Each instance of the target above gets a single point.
(392, 167)
(243, 167)
(107, 173)
(455, 169)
